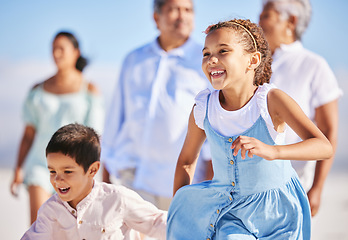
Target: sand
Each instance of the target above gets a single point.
(331, 223)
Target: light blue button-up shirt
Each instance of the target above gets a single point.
(147, 121)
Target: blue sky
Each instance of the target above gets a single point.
(109, 29)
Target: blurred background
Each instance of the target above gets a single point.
(107, 30)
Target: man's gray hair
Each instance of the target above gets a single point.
(302, 9)
(157, 5)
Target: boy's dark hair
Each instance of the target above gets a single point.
(76, 141)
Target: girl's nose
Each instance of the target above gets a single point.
(212, 60)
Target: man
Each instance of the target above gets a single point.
(307, 78)
(147, 121)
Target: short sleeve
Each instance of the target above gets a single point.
(96, 113)
(261, 99)
(29, 113)
(199, 110)
(324, 86)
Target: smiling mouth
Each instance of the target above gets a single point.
(217, 73)
(64, 190)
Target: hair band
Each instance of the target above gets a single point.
(252, 37)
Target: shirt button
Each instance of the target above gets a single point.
(212, 225)
(208, 238)
(73, 211)
(233, 184)
(80, 222)
(230, 139)
(231, 162)
(218, 211)
(103, 230)
(230, 198)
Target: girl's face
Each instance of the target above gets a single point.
(69, 179)
(64, 53)
(224, 61)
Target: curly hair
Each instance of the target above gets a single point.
(252, 39)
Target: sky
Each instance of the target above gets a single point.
(108, 29)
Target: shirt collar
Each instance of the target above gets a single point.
(176, 52)
(292, 47)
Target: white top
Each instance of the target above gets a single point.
(147, 121)
(231, 123)
(307, 78)
(108, 212)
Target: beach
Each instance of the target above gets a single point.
(330, 223)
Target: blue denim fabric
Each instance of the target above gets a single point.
(247, 199)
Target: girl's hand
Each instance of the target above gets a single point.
(17, 181)
(254, 147)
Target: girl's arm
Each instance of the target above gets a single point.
(186, 164)
(27, 141)
(283, 109)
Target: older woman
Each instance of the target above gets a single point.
(307, 78)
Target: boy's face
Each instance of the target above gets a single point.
(69, 179)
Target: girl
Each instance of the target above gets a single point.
(254, 194)
(64, 98)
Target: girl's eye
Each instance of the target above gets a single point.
(52, 172)
(205, 54)
(223, 51)
(67, 172)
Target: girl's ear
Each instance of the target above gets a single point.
(93, 169)
(255, 60)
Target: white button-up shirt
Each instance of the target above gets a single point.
(307, 78)
(147, 121)
(108, 212)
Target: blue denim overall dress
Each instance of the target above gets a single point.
(247, 199)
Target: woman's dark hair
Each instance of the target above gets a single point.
(76, 141)
(81, 62)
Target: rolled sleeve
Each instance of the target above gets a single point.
(144, 216)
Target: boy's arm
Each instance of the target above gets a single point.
(186, 164)
(143, 216)
(42, 228)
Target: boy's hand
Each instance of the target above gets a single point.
(254, 147)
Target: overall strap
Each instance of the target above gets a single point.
(206, 109)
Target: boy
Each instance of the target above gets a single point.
(83, 208)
